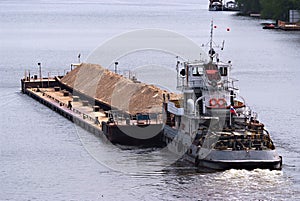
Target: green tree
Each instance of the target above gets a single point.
(273, 9)
(296, 4)
(277, 9)
(249, 6)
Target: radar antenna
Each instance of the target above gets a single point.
(212, 52)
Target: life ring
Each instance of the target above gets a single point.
(221, 102)
(213, 102)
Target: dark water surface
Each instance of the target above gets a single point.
(45, 157)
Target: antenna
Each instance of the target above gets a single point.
(79, 55)
(223, 43)
(211, 41)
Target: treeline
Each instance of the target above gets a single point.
(272, 9)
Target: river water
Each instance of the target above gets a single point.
(45, 157)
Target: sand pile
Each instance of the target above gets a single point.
(115, 90)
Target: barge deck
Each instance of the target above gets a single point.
(97, 116)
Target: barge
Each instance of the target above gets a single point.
(124, 110)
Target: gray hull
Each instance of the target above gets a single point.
(222, 160)
(248, 165)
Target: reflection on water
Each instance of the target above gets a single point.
(46, 157)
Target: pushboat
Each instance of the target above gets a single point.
(211, 126)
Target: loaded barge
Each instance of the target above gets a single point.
(124, 110)
(209, 125)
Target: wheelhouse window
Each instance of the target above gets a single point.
(223, 71)
(197, 71)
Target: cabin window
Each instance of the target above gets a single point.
(196, 71)
(223, 71)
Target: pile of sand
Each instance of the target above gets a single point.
(116, 90)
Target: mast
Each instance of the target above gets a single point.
(211, 50)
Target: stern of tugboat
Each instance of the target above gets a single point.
(249, 160)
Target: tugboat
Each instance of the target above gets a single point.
(211, 126)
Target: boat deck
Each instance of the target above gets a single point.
(79, 109)
(83, 109)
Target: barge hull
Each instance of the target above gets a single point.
(116, 134)
(134, 135)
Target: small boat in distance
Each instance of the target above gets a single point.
(217, 5)
(286, 26)
(270, 26)
(231, 6)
